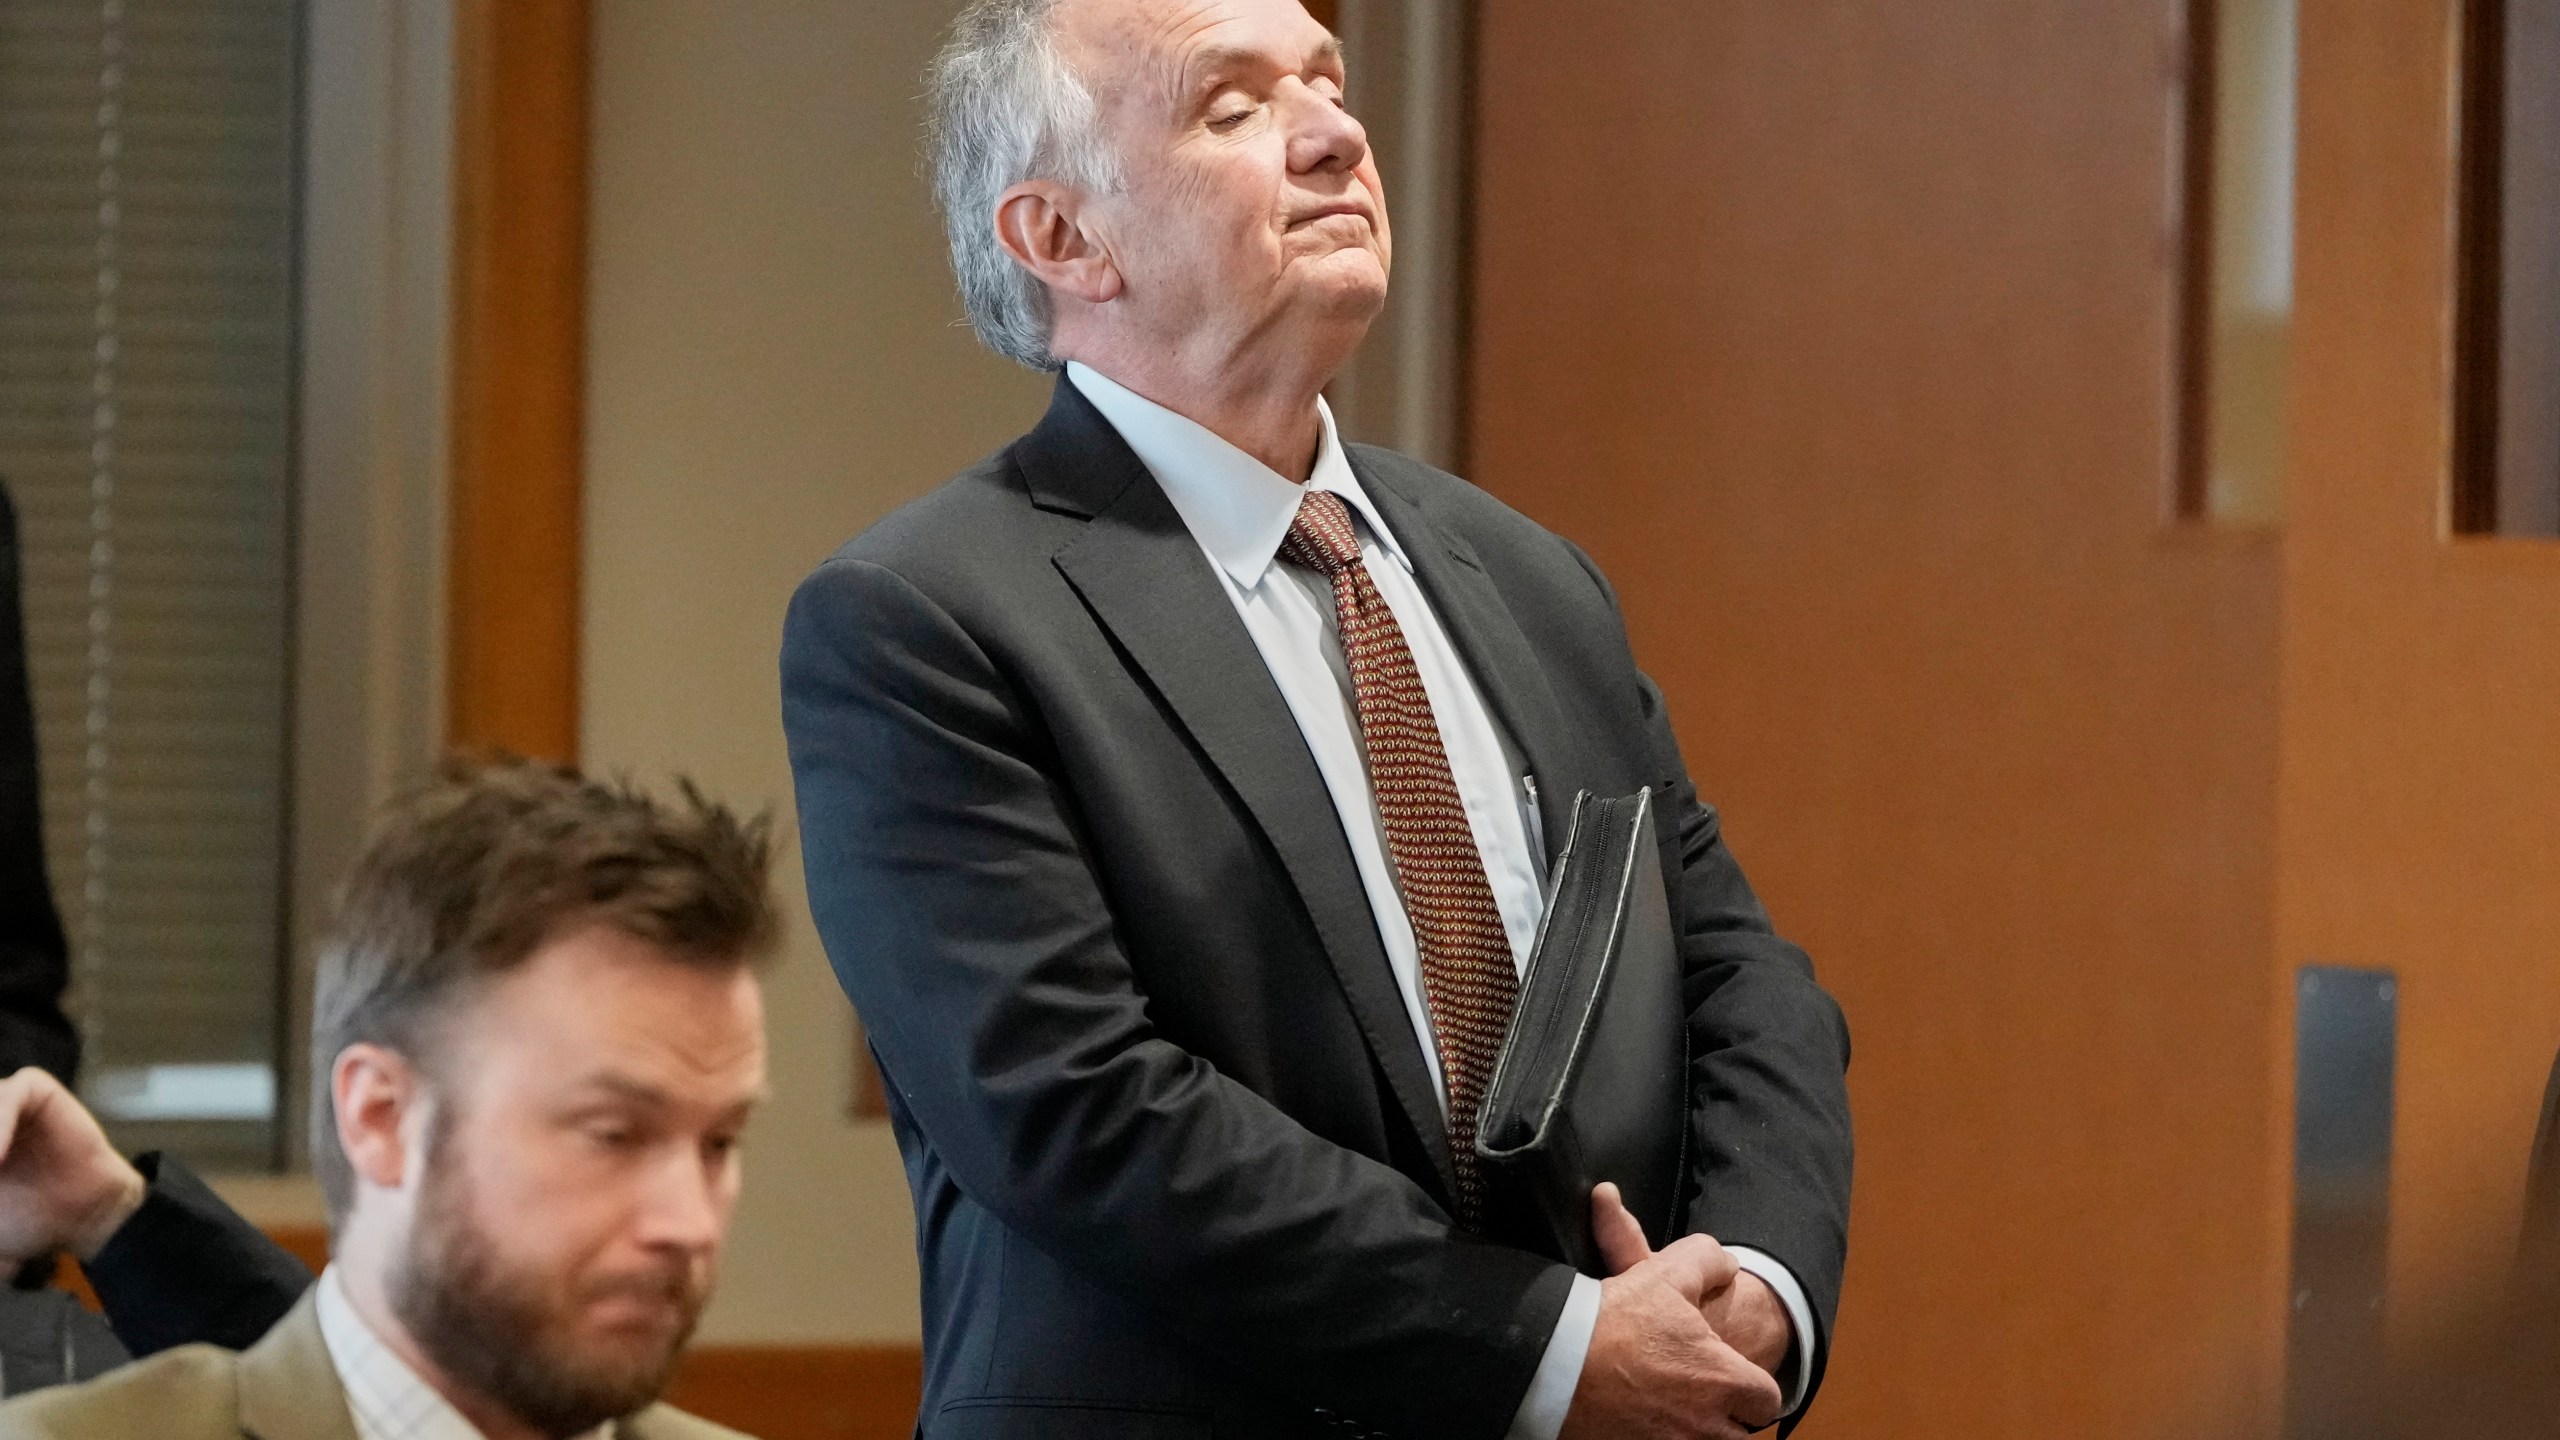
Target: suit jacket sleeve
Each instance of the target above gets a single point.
(34, 962)
(968, 925)
(186, 1268)
(1769, 1051)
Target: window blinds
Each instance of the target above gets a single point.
(147, 217)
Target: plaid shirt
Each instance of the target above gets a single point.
(388, 1399)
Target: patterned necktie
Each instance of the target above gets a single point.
(1468, 981)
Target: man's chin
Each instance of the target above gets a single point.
(634, 1363)
(630, 1315)
(569, 1377)
(618, 1370)
(633, 1339)
(1350, 283)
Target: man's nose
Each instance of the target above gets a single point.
(1325, 136)
(685, 1204)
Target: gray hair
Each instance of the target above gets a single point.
(1006, 107)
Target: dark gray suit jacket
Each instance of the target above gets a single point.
(1175, 1153)
(34, 962)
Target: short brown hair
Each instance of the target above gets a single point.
(471, 874)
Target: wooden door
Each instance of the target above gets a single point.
(1842, 333)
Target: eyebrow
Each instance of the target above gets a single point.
(1220, 60)
(625, 1088)
(638, 1092)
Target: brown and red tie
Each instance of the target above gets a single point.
(1468, 981)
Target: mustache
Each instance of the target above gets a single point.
(675, 1282)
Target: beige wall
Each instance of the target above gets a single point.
(775, 364)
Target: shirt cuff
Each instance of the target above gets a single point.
(1541, 1413)
(1791, 1386)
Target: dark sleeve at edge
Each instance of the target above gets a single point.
(188, 1269)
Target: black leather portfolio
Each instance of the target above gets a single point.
(1592, 1083)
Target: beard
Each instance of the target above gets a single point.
(511, 1332)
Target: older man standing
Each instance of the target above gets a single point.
(1177, 786)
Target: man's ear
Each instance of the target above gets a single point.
(376, 1093)
(1046, 228)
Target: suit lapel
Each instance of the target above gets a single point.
(1489, 639)
(1143, 576)
(289, 1390)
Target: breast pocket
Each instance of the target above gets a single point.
(1010, 1419)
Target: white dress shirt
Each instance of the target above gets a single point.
(389, 1400)
(1239, 510)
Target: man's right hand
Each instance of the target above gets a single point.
(1656, 1370)
(62, 1185)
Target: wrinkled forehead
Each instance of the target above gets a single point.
(1163, 50)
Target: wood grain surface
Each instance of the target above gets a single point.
(518, 367)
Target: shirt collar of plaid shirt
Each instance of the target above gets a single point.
(388, 1399)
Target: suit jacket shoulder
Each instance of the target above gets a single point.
(282, 1388)
(1449, 499)
(942, 540)
(1515, 548)
(967, 543)
(191, 1393)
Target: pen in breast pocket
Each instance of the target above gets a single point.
(1536, 822)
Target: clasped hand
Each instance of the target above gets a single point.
(62, 1185)
(1685, 1342)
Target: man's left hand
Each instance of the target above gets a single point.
(1745, 1314)
(62, 1185)
(1750, 1318)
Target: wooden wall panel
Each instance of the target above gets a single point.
(1842, 334)
(306, 1243)
(519, 358)
(2421, 805)
(814, 1392)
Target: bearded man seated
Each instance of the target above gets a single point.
(539, 1034)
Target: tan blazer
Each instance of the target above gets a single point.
(282, 1388)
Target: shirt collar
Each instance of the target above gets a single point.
(1238, 508)
(387, 1399)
